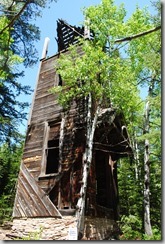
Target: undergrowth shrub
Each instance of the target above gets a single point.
(130, 227)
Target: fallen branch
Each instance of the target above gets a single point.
(14, 236)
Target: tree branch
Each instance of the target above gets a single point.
(129, 38)
(15, 17)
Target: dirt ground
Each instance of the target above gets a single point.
(5, 230)
(3, 234)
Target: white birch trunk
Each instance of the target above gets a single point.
(87, 159)
(147, 221)
(138, 161)
(61, 142)
(136, 156)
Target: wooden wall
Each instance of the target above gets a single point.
(45, 112)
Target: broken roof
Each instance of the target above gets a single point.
(68, 34)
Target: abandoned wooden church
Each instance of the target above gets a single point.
(49, 187)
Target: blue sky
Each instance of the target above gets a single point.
(71, 11)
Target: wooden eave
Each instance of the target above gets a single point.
(111, 134)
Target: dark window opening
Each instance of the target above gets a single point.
(104, 186)
(52, 153)
(60, 81)
(53, 195)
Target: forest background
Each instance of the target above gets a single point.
(139, 178)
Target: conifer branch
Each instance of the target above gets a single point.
(15, 17)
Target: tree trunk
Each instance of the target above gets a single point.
(136, 157)
(61, 142)
(147, 221)
(87, 159)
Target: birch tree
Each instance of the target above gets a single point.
(146, 62)
(147, 220)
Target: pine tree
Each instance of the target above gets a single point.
(10, 157)
(17, 45)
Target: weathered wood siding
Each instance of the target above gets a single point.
(47, 110)
(31, 201)
(45, 106)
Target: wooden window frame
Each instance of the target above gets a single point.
(43, 173)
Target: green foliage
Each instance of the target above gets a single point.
(155, 237)
(10, 158)
(17, 45)
(11, 109)
(7, 56)
(130, 189)
(107, 22)
(104, 68)
(131, 228)
(21, 15)
(80, 78)
(100, 74)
